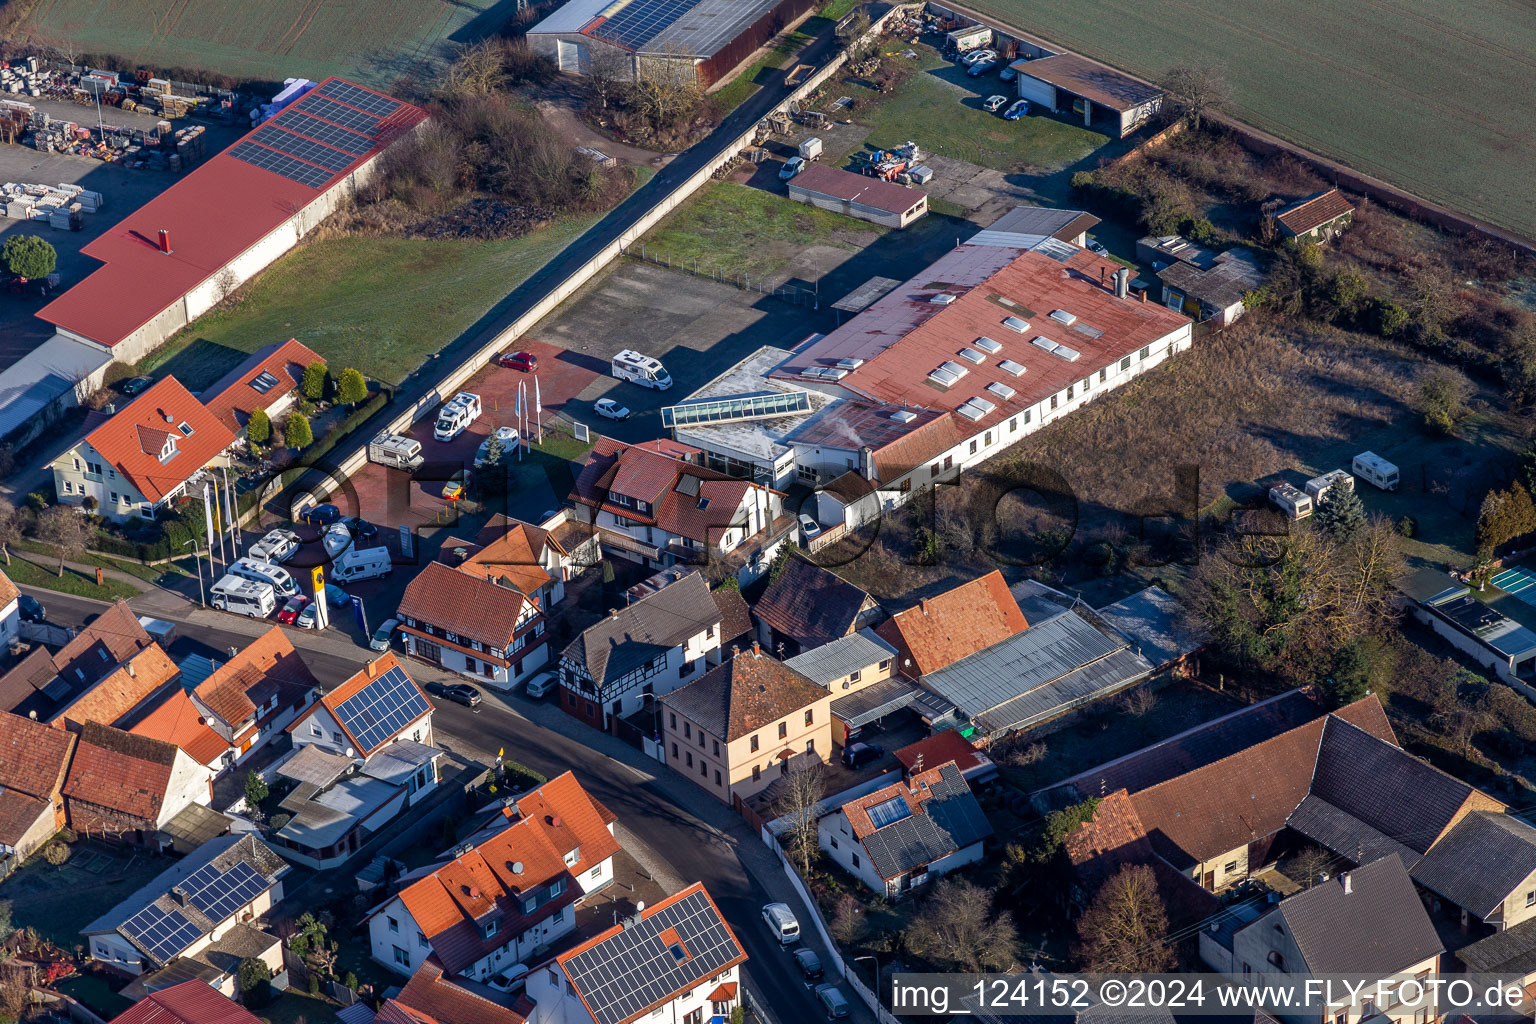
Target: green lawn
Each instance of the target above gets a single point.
(738, 229)
(745, 84)
(382, 305)
(60, 900)
(147, 573)
(27, 573)
(940, 109)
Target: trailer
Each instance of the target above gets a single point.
(810, 149)
(1375, 470)
(1293, 502)
(1321, 485)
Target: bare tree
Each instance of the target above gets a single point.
(667, 94)
(477, 69)
(1196, 91)
(797, 809)
(66, 529)
(849, 923)
(1125, 928)
(955, 928)
(1310, 863)
(10, 528)
(607, 75)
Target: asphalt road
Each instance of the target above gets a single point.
(695, 851)
(605, 232)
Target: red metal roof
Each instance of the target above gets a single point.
(132, 440)
(191, 1002)
(857, 188)
(214, 214)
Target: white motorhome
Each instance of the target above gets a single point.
(1294, 503)
(244, 597)
(646, 371)
(266, 572)
(361, 564)
(1376, 470)
(393, 450)
(277, 546)
(1321, 485)
(456, 414)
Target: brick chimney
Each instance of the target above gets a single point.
(165, 241)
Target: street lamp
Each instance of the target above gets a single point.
(876, 961)
(202, 599)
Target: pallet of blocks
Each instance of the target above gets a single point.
(61, 205)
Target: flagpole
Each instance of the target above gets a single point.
(229, 513)
(538, 406)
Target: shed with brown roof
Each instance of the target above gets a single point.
(858, 195)
(808, 606)
(940, 630)
(1319, 216)
(1104, 98)
(127, 786)
(34, 760)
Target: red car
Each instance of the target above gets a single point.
(292, 609)
(525, 361)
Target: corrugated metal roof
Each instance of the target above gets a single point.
(1156, 624)
(875, 701)
(828, 663)
(1480, 862)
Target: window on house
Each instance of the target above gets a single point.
(673, 717)
(1069, 391)
(674, 750)
(688, 758)
(1146, 351)
(1026, 415)
(810, 745)
(1053, 401)
(1367, 1008)
(402, 957)
(1230, 866)
(1530, 898)
(853, 676)
(703, 768)
(987, 438)
(717, 776)
(717, 748)
(596, 872)
(973, 446)
(1125, 364)
(421, 940)
(783, 730)
(1103, 376)
(687, 731)
(1013, 424)
(949, 462)
(855, 859)
(810, 716)
(833, 841)
(394, 925)
(885, 663)
(757, 773)
(933, 470)
(1279, 961)
(753, 747)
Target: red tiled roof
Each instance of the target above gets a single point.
(119, 773)
(191, 1002)
(938, 749)
(550, 821)
(904, 336)
(33, 757)
(266, 666)
(513, 553)
(658, 473)
(111, 638)
(724, 994)
(215, 213)
(429, 998)
(233, 399)
(857, 188)
(858, 810)
(941, 630)
(18, 813)
(8, 591)
(177, 720)
(1314, 211)
(462, 601)
(383, 663)
(131, 440)
(141, 676)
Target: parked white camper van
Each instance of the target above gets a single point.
(244, 597)
(646, 371)
(456, 414)
(361, 564)
(266, 572)
(396, 451)
(277, 546)
(1376, 470)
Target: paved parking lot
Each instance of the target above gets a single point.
(123, 190)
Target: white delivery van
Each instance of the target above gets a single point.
(781, 922)
(646, 371)
(1291, 501)
(456, 414)
(1376, 470)
(277, 546)
(361, 564)
(266, 572)
(244, 597)
(1321, 485)
(393, 450)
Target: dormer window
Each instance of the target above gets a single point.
(490, 927)
(572, 857)
(168, 450)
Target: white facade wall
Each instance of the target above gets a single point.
(317, 725)
(558, 1003)
(10, 621)
(191, 783)
(116, 498)
(835, 837)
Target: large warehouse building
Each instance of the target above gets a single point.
(1105, 99)
(185, 250)
(627, 38)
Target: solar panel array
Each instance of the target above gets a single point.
(634, 969)
(639, 22)
(161, 933)
(382, 708)
(219, 893)
(320, 135)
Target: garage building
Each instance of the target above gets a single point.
(856, 195)
(1105, 99)
(628, 38)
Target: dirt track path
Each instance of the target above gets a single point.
(561, 116)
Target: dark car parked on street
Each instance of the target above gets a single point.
(459, 693)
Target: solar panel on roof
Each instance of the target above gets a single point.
(298, 146)
(219, 894)
(162, 934)
(382, 708)
(362, 99)
(642, 20)
(889, 812)
(280, 163)
(352, 142)
(337, 113)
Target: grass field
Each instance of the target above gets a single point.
(374, 41)
(940, 107)
(29, 573)
(382, 305)
(1435, 98)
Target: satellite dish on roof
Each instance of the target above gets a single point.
(517, 867)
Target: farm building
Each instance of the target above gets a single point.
(1105, 99)
(181, 253)
(1202, 282)
(879, 202)
(1070, 226)
(626, 39)
(1319, 216)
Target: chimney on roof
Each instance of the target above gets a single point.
(1122, 282)
(165, 241)
(917, 763)
(167, 416)
(179, 895)
(132, 672)
(735, 650)
(757, 649)
(373, 669)
(1348, 883)
(922, 605)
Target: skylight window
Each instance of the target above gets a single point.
(1045, 343)
(1008, 365)
(889, 812)
(1061, 316)
(988, 345)
(970, 355)
(1016, 325)
(263, 382)
(1001, 390)
(185, 428)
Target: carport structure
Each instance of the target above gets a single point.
(1106, 99)
(887, 697)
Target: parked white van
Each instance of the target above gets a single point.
(781, 922)
(646, 371)
(277, 546)
(361, 564)
(456, 414)
(266, 572)
(1376, 469)
(244, 597)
